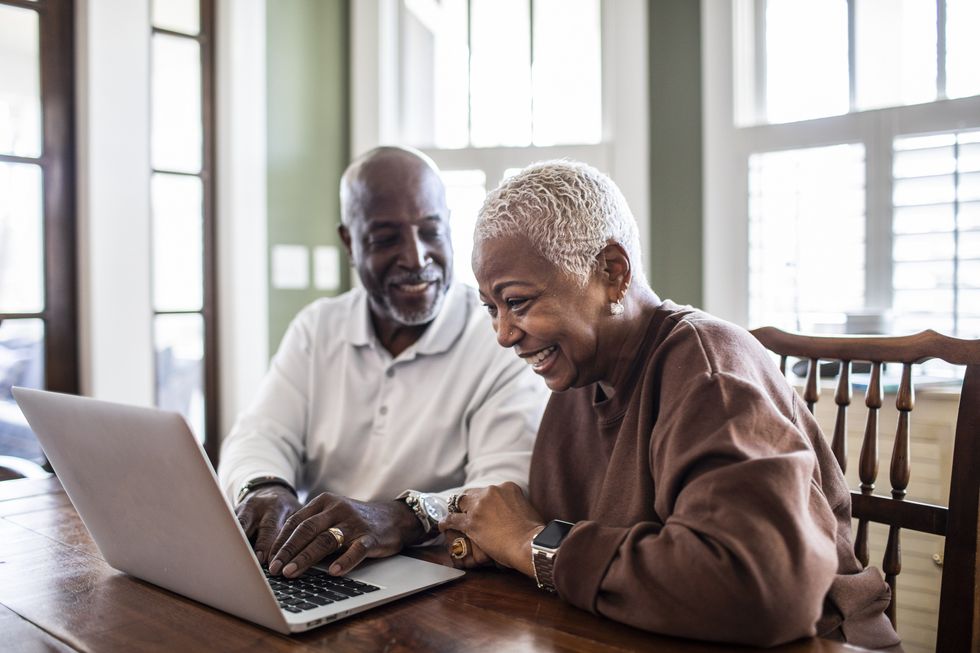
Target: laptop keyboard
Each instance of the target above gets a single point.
(314, 589)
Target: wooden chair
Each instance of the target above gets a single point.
(959, 601)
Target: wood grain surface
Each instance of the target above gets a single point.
(58, 594)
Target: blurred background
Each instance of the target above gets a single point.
(169, 168)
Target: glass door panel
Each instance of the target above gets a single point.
(178, 242)
(20, 82)
(177, 136)
(21, 239)
(22, 365)
(179, 343)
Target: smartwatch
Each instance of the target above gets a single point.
(544, 548)
(430, 509)
(259, 481)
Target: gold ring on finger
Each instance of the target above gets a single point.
(337, 535)
(459, 548)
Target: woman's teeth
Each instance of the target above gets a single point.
(539, 357)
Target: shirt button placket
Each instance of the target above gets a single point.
(381, 417)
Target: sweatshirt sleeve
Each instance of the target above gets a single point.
(746, 550)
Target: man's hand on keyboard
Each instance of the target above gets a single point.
(262, 514)
(369, 530)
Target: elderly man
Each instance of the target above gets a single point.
(384, 400)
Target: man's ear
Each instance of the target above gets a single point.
(344, 234)
(615, 269)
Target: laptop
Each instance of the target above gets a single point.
(147, 494)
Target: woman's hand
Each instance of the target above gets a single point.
(473, 556)
(499, 522)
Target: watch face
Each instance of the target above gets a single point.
(435, 507)
(553, 534)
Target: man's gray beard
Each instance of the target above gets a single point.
(422, 317)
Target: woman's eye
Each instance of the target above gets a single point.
(491, 309)
(515, 303)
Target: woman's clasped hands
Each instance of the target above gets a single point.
(496, 524)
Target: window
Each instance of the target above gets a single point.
(802, 274)
(38, 323)
(486, 87)
(936, 233)
(804, 59)
(844, 158)
(515, 74)
(182, 207)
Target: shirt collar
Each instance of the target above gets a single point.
(438, 337)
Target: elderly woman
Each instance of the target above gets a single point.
(678, 484)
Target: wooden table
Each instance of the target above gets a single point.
(58, 594)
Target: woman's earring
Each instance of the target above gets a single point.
(616, 308)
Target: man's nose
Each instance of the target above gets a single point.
(414, 254)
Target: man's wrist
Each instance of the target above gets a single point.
(259, 482)
(407, 523)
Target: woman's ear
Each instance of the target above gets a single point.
(616, 270)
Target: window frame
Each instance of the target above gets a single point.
(208, 312)
(56, 32)
(728, 147)
(625, 98)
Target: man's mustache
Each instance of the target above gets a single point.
(429, 275)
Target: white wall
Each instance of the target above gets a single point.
(113, 50)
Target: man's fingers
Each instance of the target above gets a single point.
(312, 531)
(322, 545)
(353, 556)
(265, 535)
(292, 524)
(246, 518)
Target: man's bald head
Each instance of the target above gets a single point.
(383, 172)
(395, 228)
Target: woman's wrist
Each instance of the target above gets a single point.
(523, 561)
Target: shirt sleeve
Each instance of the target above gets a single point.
(501, 424)
(746, 550)
(268, 438)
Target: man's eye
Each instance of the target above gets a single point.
(382, 240)
(432, 234)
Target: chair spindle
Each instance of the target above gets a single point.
(899, 476)
(868, 464)
(843, 399)
(812, 392)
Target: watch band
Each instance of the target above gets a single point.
(544, 549)
(544, 568)
(259, 481)
(413, 500)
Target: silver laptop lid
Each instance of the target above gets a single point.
(147, 494)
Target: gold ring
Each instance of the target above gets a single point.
(459, 549)
(337, 535)
(454, 502)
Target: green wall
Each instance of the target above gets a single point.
(307, 129)
(675, 150)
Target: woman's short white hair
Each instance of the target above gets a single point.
(568, 211)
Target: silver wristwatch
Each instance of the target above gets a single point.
(544, 548)
(429, 508)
